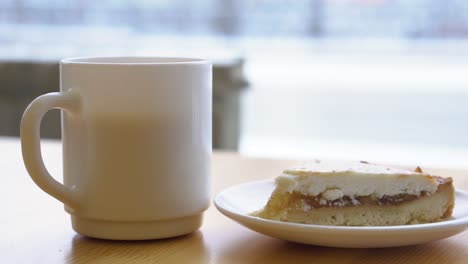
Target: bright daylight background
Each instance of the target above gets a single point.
(379, 80)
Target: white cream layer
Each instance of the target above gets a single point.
(335, 179)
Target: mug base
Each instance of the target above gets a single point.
(136, 230)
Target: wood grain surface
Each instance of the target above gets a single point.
(35, 228)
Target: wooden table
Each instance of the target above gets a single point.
(35, 228)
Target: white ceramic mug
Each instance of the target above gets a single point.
(136, 135)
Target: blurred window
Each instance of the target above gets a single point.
(367, 79)
(397, 18)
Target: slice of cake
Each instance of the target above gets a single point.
(358, 194)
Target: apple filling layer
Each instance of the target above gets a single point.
(299, 201)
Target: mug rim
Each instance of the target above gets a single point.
(132, 60)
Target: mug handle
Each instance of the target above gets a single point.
(31, 145)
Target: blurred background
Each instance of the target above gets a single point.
(379, 80)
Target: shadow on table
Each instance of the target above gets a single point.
(189, 248)
(278, 251)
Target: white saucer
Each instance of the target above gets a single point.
(238, 201)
